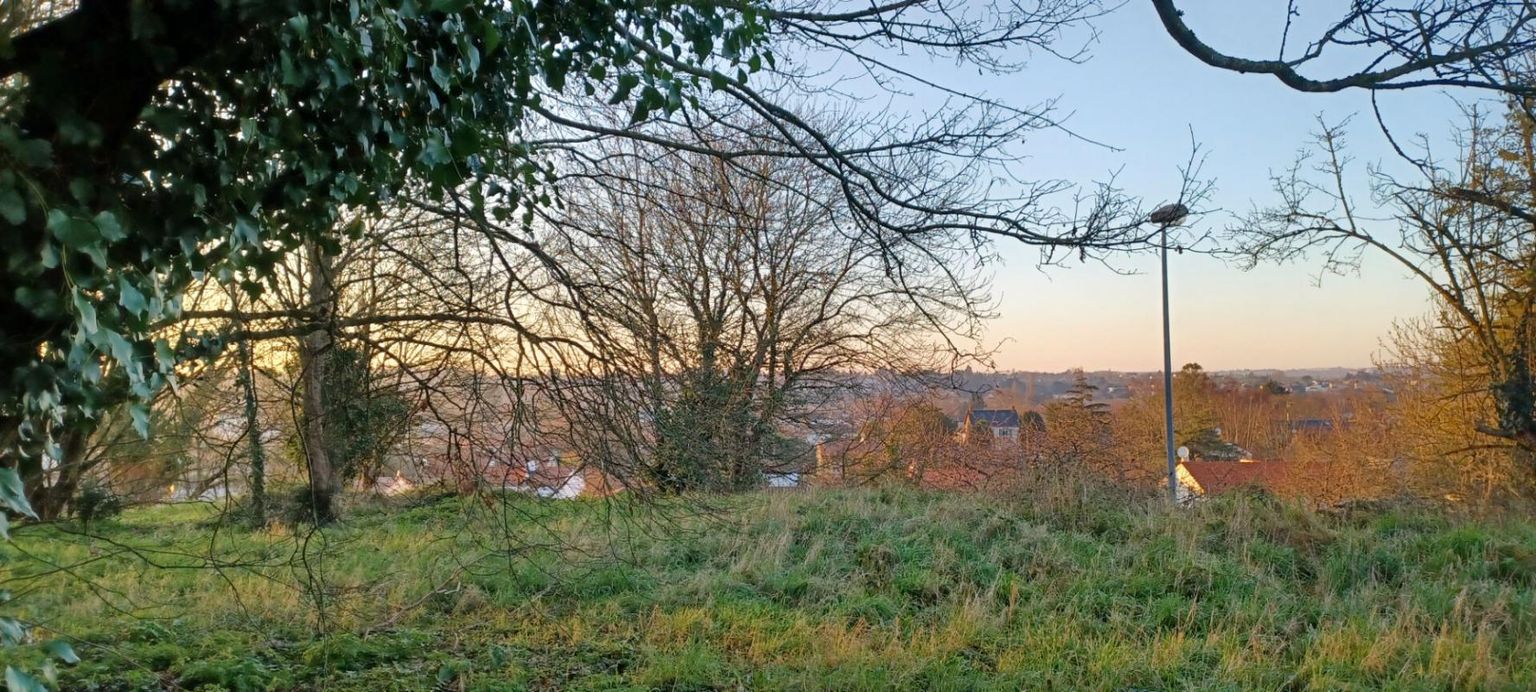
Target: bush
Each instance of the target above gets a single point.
(95, 502)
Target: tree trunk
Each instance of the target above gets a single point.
(315, 350)
(258, 461)
(50, 500)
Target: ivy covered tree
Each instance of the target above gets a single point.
(364, 419)
(148, 144)
(709, 438)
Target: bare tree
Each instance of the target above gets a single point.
(743, 297)
(1462, 228)
(1383, 45)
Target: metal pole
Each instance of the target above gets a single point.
(1173, 473)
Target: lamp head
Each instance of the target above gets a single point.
(1168, 214)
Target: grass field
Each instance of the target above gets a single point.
(822, 589)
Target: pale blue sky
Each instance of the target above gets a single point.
(1140, 92)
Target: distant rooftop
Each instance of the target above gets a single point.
(995, 417)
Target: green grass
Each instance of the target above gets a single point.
(858, 589)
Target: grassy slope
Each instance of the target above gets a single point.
(872, 589)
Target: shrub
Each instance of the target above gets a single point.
(95, 502)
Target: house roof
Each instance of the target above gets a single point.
(997, 418)
(1214, 477)
(1312, 425)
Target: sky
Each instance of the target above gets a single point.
(1144, 95)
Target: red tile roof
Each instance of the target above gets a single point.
(1279, 477)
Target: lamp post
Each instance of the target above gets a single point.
(1165, 216)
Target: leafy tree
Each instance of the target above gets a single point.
(234, 133)
(1195, 420)
(1193, 392)
(1078, 428)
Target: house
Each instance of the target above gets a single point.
(785, 479)
(1003, 423)
(790, 460)
(561, 477)
(1316, 426)
(1321, 483)
(1200, 478)
(850, 460)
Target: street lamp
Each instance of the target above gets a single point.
(1165, 216)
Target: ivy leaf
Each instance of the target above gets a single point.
(122, 351)
(247, 230)
(12, 632)
(12, 496)
(649, 100)
(87, 313)
(61, 650)
(140, 414)
(491, 35)
(12, 206)
(627, 83)
(71, 231)
(17, 681)
(108, 227)
(130, 296)
(163, 355)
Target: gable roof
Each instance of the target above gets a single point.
(997, 418)
(1278, 477)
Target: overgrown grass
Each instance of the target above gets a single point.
(857, 589)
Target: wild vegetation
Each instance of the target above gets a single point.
(887, 588)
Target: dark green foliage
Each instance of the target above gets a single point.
(708, 437)
(95, 502)
(235, 674)
(1082, 395)
(363, 419)
(296, 507)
